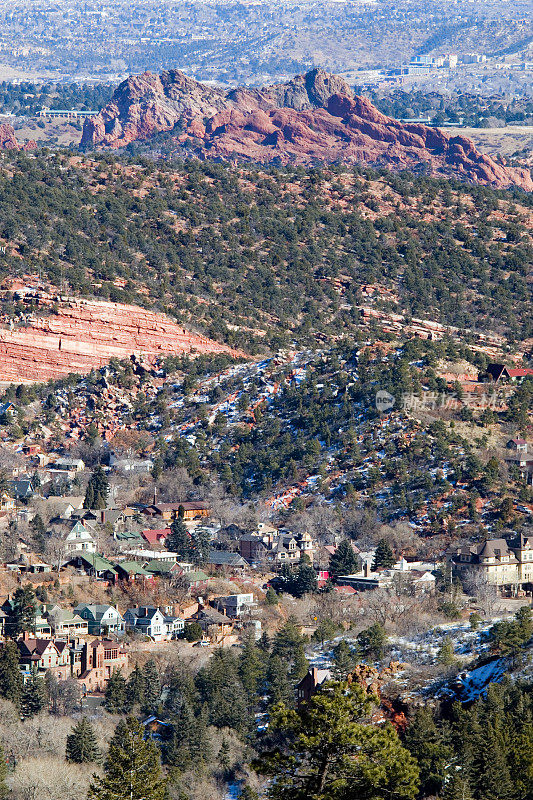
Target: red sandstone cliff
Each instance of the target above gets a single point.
(313, 117)
(85, 334)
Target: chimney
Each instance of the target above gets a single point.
(367, 568)
(155, 495)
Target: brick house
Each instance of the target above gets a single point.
(97, 662)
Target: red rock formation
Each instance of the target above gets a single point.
(8, 140)
(314, 117)
(85, 334)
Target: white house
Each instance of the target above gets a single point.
(79, 538)
(147, 620)
(101, 619)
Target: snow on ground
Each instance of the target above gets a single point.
(422, 649)
(470, 684)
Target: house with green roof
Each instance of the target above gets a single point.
(132, 571)
(163, 569)
(94, 565)
(196, 578)
(127, 536)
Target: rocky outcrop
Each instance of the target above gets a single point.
(85, 334)
(313, 117)
(9, 141)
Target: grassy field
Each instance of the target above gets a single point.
(507, 141)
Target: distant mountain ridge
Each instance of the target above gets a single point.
(312, 118)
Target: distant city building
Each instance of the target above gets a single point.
(64, 113)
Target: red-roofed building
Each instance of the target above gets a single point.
(156, 535)
(499, 372)
(345, 590)
(515, 374)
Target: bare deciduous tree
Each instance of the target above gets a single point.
(48, 777)
(485, 593)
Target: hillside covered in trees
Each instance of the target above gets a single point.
(267, 257)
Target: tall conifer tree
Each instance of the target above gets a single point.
(82, 745)
(132, 768)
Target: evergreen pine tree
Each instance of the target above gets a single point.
(39, 532)
(372, 641)
(177, 748)
(193, 631)
(223, 756)
(33, 697)
(305, 580)
(10, 677)
(199, 742)
(278, 685)
(88, 501)
(251, 667)
(426, 743)
(132, 768)
(383, 557)
(82, 745)
(181, 690)
(345, 658)
(299, 666)
(289, 646)
(524, 622)
(288, 640)
(457, 787)
(152, 688)
(97, 490)
(343, 561)
(271, 597)
(189, 747)
(220, 688)
(115, 693)
(135, 688)
(179, 541)
(24, 610)
(445, 653)
(327, 749)
(200, 546)
(491, 776)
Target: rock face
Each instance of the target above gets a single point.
(313, 117)
(8, 140)
(84, 334)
